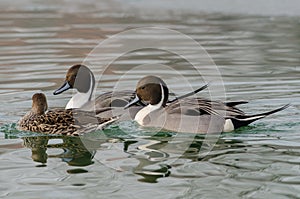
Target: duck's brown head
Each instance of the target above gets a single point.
(79, 77)
(39, 104)
(149, 89)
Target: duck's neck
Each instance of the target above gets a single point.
(80, 99)
(142, 114)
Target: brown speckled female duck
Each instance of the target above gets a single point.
(60, 121)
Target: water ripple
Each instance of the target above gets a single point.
(257, 56)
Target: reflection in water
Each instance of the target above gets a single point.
(74, 152)
(156, 155)
(161, 154)
(257, 56)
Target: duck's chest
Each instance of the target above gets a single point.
(78, 100)
(150, 115)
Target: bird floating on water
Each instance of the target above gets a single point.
(193, 115)
(60, 121)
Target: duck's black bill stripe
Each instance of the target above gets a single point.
(64, 87)
(133, 102)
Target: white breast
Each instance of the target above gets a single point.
(79, 99)
(140, 116)
(228, 126)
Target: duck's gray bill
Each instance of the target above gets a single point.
(132, 102)
(63, 88)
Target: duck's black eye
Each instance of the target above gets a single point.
(143, 87)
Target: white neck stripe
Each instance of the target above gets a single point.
(79, 99)
(139, 117)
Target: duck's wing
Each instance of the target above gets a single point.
(59, 121)
(109, 99)
(57, 116)
(190, 108)
(114, 99)
(201, 124)
(181, 122)
(201, 106)
(72, 121)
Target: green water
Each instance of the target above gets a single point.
(258, 58)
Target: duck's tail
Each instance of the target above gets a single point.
(235, 103)
(244, 120)
(189, 94)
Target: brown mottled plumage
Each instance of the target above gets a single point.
(60, 121)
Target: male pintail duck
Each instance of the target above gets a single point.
(195, 115)
(81, 78)
(60, 121)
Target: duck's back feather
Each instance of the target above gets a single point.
(62, 121)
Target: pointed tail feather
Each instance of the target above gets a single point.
(235, 103)
(189, 94)
(103, 125)
(244, 120)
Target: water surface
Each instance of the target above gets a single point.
(258, 57)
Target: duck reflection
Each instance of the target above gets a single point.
(158, 156)
(74, 151)
(150, 159)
